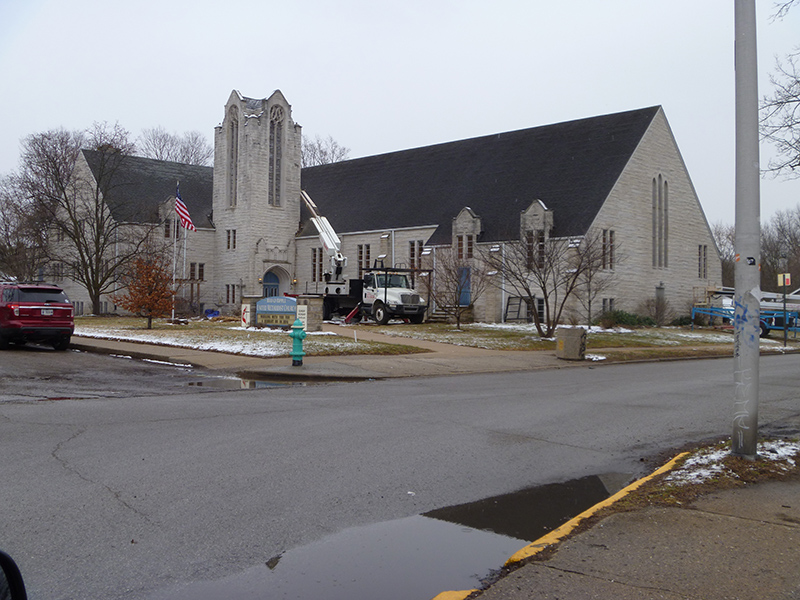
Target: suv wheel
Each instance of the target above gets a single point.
(61, 343)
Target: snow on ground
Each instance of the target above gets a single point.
(250, 341)
(707, 463)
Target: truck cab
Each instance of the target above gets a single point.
(388, 294)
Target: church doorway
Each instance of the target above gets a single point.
(271, 284)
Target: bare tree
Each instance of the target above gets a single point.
(724, 238)
(599, 255)
(455, 283)
(321, 151)
(540, 268)
(22, 237)
(86, 242)
(780, 117)
(191, 148)
(780, 249)
(781, 8)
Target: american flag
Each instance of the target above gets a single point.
(183, 212)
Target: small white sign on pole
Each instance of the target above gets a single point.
(302, 314)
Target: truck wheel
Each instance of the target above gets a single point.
(417, 319)
(3, 342)
(764, 330)
(380, 314)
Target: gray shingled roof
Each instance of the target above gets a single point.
(139, 185)
(570, 166)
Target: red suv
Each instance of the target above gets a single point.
(35, 312)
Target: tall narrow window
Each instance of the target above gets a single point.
(231, 236)
(470, 245)
(460, 245)
(540, 248)
(665, 220)
(275, 154)
(415, 254)
(535, 249)
(660, 222)
(316, 264)
(192, 270)
(702, 261)
(201, 271)
(363, 259)
(529, 250)
(608, 249)
(233, 156)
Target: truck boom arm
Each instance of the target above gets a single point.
(327, 235)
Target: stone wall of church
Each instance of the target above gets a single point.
(629, 212)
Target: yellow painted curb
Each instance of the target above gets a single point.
(561, 532)
(459, 595)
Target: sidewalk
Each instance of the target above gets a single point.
(733, 544)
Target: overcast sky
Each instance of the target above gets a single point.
(381, 76)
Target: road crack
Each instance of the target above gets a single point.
(67, 466)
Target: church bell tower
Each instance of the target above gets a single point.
(256, 198)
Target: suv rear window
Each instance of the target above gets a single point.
(40, 295)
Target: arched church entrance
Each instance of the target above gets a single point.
(274, 283)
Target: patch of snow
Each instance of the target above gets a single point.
(595, 357)
(166, 362)
(707, 463)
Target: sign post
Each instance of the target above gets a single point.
(785, 279)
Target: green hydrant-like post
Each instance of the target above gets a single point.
(298, 335)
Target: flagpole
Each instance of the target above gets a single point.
(182, 214)
(174, 257)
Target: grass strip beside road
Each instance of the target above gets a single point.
(227, 335)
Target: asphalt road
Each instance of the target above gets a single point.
(38, 373)
(151, 482)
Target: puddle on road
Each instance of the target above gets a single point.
(413, 558)
(237, 383)
(531, 513)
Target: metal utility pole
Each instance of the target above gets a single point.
(748, 231)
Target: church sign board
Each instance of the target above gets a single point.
(280, 311)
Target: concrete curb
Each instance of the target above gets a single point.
(95, 349)
(567, 528)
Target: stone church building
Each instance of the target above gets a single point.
(620, 174)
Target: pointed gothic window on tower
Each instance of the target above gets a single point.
(233, 155)
(275, 154)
